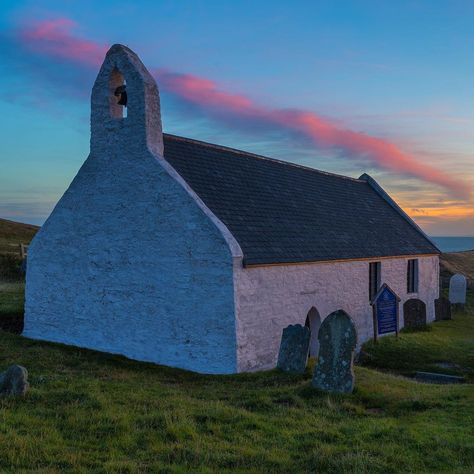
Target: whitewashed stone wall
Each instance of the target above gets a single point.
(130, 261)
(269, 298)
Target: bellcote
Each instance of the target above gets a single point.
(125, 103)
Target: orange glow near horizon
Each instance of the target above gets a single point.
(450, 212)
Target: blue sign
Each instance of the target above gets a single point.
(386, 311)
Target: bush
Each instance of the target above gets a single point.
(11, 267)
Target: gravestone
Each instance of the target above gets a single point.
(414, 314)
(442, 309)
(294, 348)
(334, 371)
(14, 381)
(457, 289)
(385, 311)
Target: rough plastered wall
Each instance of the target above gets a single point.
(269, 298)
(128, 262)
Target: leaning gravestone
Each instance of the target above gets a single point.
(414, 314)
(337, 341)
(442, 309)
(294, 349)
(457, 289)
(14, 381)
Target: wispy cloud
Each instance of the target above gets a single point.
(56, 41)
(54, 38)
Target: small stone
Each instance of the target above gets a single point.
(14, 381)
(294, 349)
(334, 371)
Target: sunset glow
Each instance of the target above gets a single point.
(62, 54)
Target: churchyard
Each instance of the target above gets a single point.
(88, 411)
(93, 412)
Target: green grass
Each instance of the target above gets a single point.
(12, 306)
(11, 298)
(92, 412)
(447, 347)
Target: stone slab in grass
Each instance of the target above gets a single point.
(294, 348)
(433, 377)
(14, 381)
(442, 309)
(414, 314)
(334, 371)
(457, 289)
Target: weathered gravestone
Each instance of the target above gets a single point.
(337, 341)
(294, 348)
(14, 381)
(414, 314)
(442, 309)
(457, 289)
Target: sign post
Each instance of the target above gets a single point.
(385, 309)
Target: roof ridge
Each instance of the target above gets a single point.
(261, 157)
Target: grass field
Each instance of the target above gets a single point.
(12, 305)
(448, 347)
(92, 412)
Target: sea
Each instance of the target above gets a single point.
(453, 244)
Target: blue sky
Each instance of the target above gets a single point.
(400, 72)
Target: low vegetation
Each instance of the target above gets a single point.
(447, 347)
(12, 306)
(12, 234)
(92, 412)
(457, 262)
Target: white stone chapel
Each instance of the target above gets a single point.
(194, 255)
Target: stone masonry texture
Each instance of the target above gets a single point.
(127, 262)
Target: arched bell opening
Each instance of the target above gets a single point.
(118, 95)
(313, 322)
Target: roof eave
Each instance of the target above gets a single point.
(341, 260)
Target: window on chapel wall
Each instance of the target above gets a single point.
(412, 276)
(374, 278)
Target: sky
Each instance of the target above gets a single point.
(351, 87)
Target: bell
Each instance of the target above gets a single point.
(121, 93)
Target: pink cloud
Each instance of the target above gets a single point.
(55, 39)
(205, 93)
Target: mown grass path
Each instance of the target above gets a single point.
(92, 412)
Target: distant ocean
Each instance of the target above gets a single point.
(453, 244)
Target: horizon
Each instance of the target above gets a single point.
(348, 94)
(429, 235)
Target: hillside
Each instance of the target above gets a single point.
(13, 233)
(457, 262)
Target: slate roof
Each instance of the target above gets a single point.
(280, 212)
